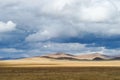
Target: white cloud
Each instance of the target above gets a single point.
(37, 49)
(56, 7)
(76, 30)
(98, 11)
(10, 50)
(79, 16)
(49, 19)
(74, 18)
(52, 31)
(82, 10)
(73, 48)
(70, 13)
(9, 26)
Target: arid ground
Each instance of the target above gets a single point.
(49, 69)
(44, 62)
(59, 73)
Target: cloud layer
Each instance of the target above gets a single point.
(9, 26)
(80, 17)
(69, 25)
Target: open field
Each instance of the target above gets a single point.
(41, 62)
(60, 73)
(47, 69)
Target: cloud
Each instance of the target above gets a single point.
(61, 31)
(37, 49)
(52, 31)
(11, 50)
(9, 26)
(84, 10)
(40, 21)
(75, 18)
(97, 11)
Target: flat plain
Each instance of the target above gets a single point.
(43, 62)
(59, 73)
(44, 69)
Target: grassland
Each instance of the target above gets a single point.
(60, 73)
(45, 69)
(42, 62)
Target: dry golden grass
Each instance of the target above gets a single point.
(50, 69)
(43, 62)
(59, 73)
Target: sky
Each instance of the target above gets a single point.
(38, 27)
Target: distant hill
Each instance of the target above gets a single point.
(93, 56)
(116, 58)
(98, 59)
(60, 56)
(66, 56)
(57, 55)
